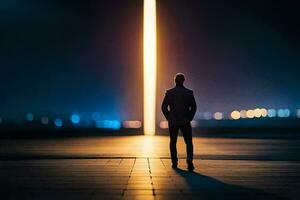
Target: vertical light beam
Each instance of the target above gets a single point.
(150, 64)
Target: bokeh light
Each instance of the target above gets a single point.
(235, 115)
(75, 118)
(164, 125)
(243, 114)
(207, 115)
(109, 124)
(218, 116)
(298, 113)
(58, 122)
(282, 113)
(194, 124)
(45, 120)
(271, 113)
(264, 112)
(250, 114)
(132, 124)
(29, 117)
(257, 113)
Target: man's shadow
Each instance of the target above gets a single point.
(199, 186)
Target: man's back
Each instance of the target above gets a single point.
(181, 103)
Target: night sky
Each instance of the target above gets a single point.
(82, 55)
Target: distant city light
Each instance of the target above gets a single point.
(218, 116)
(257, 113)
(58, 122)
(298, 113)
(235, 115)
(284, 113)
(243, 114)
(250, 114)
(264, 112)
(207, 115)
(109, 124)
(29, 117)
(45, 120)
(75, 118)
(132, 124)
(271, 113)
(164, 125)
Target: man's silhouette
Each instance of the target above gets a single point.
(179, 108)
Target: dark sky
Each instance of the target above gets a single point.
(82, 55)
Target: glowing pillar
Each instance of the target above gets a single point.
(150, 65)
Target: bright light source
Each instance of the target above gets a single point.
(257, 113)
(284, 113)
(58, 123)
(164, 125)
(235, 115)
(218, 116)
(109, 124)
(264, 112)
(271, 113)
(243, 114)
(250, 114)
(150, 64)
(75, 118)
(132, 124)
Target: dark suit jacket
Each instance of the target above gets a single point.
(179, 105)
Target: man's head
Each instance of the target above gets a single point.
(179, 79)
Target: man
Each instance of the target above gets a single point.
(179, 108)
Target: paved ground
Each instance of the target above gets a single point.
(138, 167)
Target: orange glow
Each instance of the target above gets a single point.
(150, 65)
(264, 112)
(132, 124)
(243, 114)
(250, 114)
(235, 115)
(257, 113)
(164, 125)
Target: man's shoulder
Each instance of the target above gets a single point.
(175, 89)
(189, 90)
(170, 90)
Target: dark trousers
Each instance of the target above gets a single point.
(187, 135)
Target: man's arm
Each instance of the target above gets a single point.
(193, 107)
(164, 106)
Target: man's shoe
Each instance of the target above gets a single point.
(174, 165)
(191, 167)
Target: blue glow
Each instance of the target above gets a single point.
(96, 116)
(109, 124)
(29, 117)
(58, 123)
(271, 113)
(75, 118)
(284, 113)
